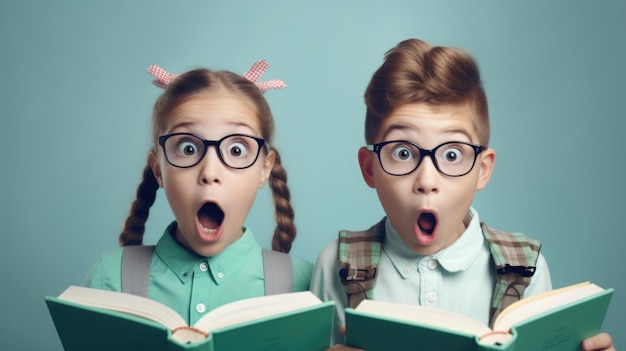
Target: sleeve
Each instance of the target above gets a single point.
(302, 270)
(106, 273)
(325, 283)
(541, 281)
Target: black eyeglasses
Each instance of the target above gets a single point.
(400, 157)
(184, 150)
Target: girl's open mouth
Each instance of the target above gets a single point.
(210, 217)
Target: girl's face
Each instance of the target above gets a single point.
(426, 207)
(211, 200)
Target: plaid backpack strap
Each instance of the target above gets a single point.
(515, 256)
(359, 254)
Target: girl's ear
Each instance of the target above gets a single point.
(487, 162)
(153, 160)
(268, 164)
(366, 159)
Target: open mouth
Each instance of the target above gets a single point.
(210, 217)
(427, 222)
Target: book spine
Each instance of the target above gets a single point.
(201, 346)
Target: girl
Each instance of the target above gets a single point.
(211, 152)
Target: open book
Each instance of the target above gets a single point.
(556, 320)
(92, 319)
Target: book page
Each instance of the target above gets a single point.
(424, 315)
(255, 308)
(533, 306)
(125, 303)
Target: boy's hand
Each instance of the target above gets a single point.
(602, 341)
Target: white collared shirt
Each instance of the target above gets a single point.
(459, 278)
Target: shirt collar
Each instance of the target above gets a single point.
(456, 257)
(233, 257)
(460, 255)
(183, 262)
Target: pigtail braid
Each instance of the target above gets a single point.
(134, 226)
(285, 231)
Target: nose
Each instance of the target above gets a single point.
(426, 177)
(210, 168)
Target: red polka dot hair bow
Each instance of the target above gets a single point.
(163, 78)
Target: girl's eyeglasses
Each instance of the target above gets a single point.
(238, 151)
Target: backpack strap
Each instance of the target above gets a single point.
(515, 256)
(277, 268)
(278, 272)
(359, 255)
(136, 269)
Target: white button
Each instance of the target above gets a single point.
(204, 266)
(431, 296)
(200, 308)
(432, 264)
(406, 270)
(220, 275)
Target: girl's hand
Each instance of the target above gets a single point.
(602, 341)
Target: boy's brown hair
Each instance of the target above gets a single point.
(417, 72)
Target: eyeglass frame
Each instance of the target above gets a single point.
(208, 143)
(375, 148)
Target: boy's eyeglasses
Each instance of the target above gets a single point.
(184, 150)
(400, 157)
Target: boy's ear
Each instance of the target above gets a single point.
(153, 161)
(366, 159)
(487, 162)
(268, 164)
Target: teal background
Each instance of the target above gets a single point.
(75, 104)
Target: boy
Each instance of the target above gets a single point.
(427, 130)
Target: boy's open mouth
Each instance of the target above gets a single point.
(210, 217)
(427, 222)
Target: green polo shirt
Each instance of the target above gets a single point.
(193, 285)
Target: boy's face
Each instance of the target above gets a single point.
(426, 207)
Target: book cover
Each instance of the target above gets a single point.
(85, 327)
(556, 321)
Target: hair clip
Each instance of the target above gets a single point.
(163, 78)
(255, 72)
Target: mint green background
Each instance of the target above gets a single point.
(75, 105)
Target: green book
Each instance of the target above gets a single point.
(558, 320)
(92, 319)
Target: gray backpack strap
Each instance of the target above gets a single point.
(278, 272)
(136, 259)
(136, 269)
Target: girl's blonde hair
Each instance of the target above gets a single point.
(181, 89)
(417, 72)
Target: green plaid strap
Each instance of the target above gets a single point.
(359, 254)
(515, 256)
